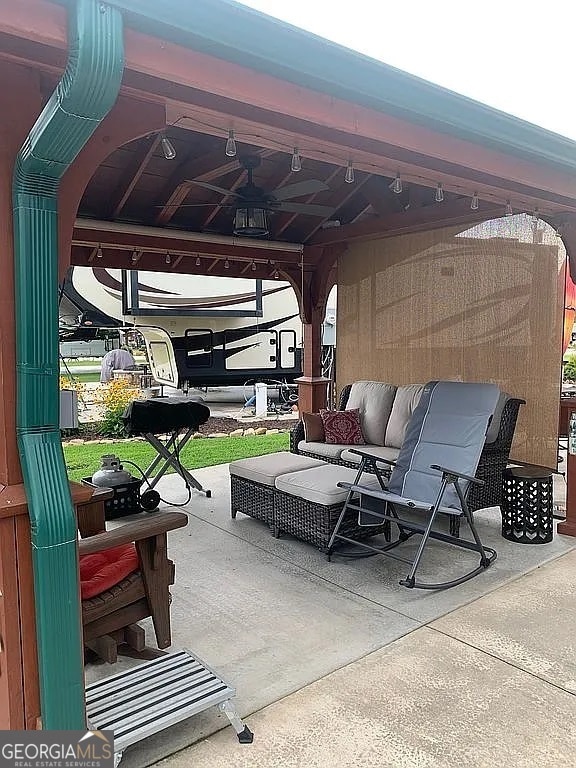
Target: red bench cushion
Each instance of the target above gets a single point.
(103, 570)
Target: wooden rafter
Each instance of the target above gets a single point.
(208, 168)
(238, 181)
(361, 213)
(450, 213)
(337, 200)
(132, 175)
(380, 196)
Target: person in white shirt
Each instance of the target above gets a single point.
(115, 360)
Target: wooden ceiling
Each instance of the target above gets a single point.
(138, 185)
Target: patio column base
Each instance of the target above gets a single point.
(311, 393)
(568, 528)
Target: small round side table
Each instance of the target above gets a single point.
(527, 505)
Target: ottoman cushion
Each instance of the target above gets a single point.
(265, 469)
(320, 484)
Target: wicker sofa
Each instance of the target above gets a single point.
(399, 402)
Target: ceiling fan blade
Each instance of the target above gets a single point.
(214, 188)
(310, 187)
(306, 208)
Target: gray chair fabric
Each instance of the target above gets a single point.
(447, 428)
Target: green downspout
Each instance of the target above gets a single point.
(86, 92)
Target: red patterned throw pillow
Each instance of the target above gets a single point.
(343, 427)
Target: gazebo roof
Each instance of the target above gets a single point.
(236, 33)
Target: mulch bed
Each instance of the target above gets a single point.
(222, 424)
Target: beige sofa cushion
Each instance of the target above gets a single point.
(329, 450)
(405, 402)
(265, 469)
(377, 450)
(320, 485)
(374, 401)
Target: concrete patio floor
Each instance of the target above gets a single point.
(343, 666)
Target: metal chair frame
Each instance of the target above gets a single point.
(407, 528)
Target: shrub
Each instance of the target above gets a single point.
(570, 369)
(69, 382)
(114, 397)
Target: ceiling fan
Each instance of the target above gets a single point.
(252, 202)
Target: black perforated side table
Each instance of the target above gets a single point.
(527, 505)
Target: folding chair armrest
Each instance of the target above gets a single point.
(460, 475)
(367, 455)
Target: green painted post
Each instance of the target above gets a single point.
(85, 94)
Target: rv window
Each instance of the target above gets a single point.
(199, 345)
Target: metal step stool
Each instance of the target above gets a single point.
(157, 694)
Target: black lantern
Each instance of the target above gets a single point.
(251, 221)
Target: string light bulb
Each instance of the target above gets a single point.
(396, 185)
(349, 177)
(168, 148)
(439, 196)
(509, 211)
(474, 202)
(231, 144)
(296, 164)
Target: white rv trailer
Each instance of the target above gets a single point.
(223, 331)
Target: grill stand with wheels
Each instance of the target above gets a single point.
(180, 417)
(170, 453)
(153, 696)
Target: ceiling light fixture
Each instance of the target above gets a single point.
(474, 202)
(349, 177)
(509, 211)
(168, 258)
(253, 266)
(198, 262)
(99, 253)
(134, 257)
(231, 144)
(296, 164)
(396, 185)
(276, 274)
(251, 221)
(168, 148)
(439, 196)
(226, 264)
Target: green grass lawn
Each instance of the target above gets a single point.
(83, 377)
(84, 460)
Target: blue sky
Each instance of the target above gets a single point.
(513, 55)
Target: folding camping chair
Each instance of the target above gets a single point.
(432, 475)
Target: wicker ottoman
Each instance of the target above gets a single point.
(308, 503)
(252, 482)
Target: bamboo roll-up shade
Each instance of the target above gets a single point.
(480, 305)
